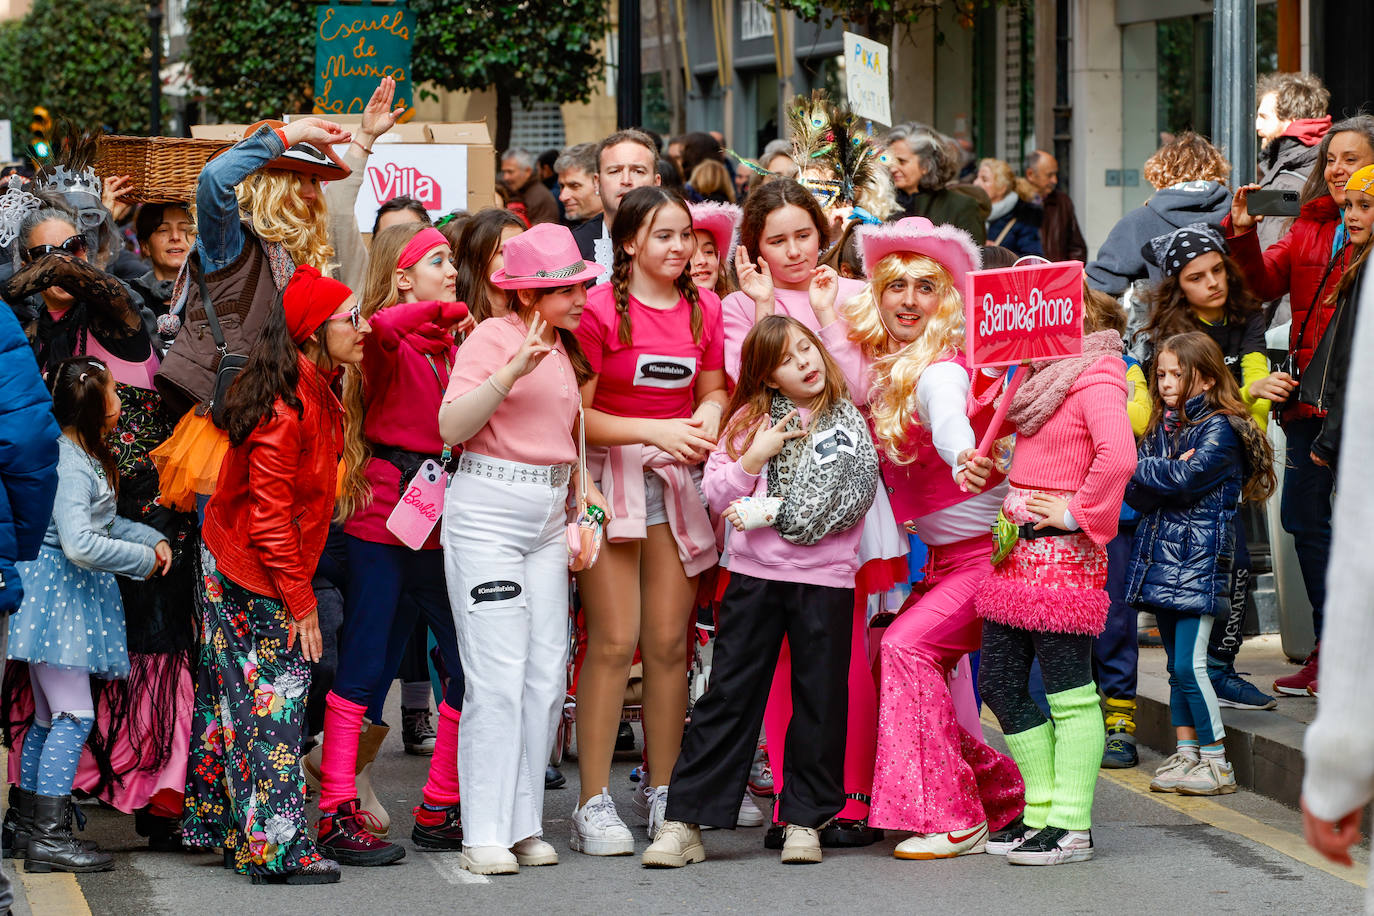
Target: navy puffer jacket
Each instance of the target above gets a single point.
(1185, 540)
(28, 457)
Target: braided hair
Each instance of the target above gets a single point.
(637, 209)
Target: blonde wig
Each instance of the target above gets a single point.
(892, 397)
(279, 215)
(379, 291)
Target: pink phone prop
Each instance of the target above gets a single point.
(420, 507)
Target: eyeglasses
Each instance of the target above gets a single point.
(74, 246)
(354, 315)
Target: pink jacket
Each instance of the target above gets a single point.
(762, 552)
(1086, 446)
(619, 471)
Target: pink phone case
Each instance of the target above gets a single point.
(418, 511)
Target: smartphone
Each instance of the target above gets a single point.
(1273, 203)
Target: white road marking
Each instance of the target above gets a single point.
(446, 864)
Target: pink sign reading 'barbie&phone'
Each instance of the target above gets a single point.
(1032, 312)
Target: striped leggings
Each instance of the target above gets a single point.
(1192, 701)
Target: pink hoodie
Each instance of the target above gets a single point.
(762, 552)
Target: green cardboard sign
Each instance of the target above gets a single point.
(355, 46)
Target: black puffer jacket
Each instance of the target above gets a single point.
(1184, 542)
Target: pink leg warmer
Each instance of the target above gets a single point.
(862, 736)
(442, 787)
(343, 722)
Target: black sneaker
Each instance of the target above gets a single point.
(417, 732)
(343, 838)
(773, 838)
(554, 778)
(1001, 842)
(447, 834)
(1054, 846)
(625, 742)
(847, 834)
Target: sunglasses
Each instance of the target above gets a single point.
(354, 315)
(74, 246)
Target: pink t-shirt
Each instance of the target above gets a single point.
(655, 376)
(139, 375)
(535, 422)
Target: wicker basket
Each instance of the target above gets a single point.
(164, 169)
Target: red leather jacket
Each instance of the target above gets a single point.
(267, 522)
(1295, 265)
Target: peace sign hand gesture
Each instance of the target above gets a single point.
(531, 353)
(755, 281)
(769, 440)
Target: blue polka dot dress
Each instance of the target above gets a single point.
(72, 615)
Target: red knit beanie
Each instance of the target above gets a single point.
(309, 300)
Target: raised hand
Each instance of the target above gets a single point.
(112, 193)
(317, 132)
(755, 281)
(532, 351)
(769, 440)
(1241, 220)
(380, 114)
(824, 289)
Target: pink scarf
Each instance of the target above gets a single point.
(1045, 388)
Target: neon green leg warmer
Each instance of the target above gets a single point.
(1079, 737)
(1033, 751)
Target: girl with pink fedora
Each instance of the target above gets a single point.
(900, 345)
(513, 402)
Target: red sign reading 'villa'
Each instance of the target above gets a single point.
(1033, 312)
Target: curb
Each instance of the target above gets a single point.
(1264, 747)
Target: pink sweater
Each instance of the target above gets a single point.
(1085, 446)
(762, 552)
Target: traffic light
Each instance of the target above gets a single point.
(40, 127)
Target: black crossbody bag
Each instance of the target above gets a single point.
(230, 364)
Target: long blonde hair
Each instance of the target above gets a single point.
(278, 214)
(892, 397)
(379, 292)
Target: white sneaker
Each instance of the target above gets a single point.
(597, 829)
(676, 845)
(532, 850)
(944, 845)
(1054, 846)
(800, 845)
(489, 860)
(644, 793)
(658, 811)
(1171, 773)
(1209, 776)
(749, 813)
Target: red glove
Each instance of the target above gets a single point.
(452, 312)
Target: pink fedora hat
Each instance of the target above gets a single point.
(544, 257)
(720, 221)
(952, 248)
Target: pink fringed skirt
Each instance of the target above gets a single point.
(1050, 584)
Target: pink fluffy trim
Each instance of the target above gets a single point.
(1027, 606)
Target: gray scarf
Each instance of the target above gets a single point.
(827, 479)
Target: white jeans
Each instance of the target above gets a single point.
(506, 562)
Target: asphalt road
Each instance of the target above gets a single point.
(1155, 854)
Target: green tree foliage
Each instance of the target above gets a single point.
(535, 50)
(84, 61)
(256, 57)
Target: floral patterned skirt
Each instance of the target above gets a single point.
(244, 789)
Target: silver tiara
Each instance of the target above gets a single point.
(64, 181)
(15, 203)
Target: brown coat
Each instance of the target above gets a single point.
(1060, 236)
(540, 207)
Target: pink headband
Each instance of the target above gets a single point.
(415, 249)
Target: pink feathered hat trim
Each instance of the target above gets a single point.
(720, 220)
(1044, 608)
(953, 248)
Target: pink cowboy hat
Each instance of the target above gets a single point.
(720, 221)
(952, 248)
(544, 257)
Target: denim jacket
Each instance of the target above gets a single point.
(219, 231)
(85, 525)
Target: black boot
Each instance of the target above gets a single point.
(52, 847)
(18, 823)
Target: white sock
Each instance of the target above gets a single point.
(415, 694)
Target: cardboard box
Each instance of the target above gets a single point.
(447, 166)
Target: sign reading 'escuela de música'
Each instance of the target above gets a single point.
(355, 46)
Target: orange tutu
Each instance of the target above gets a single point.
(188, 462)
